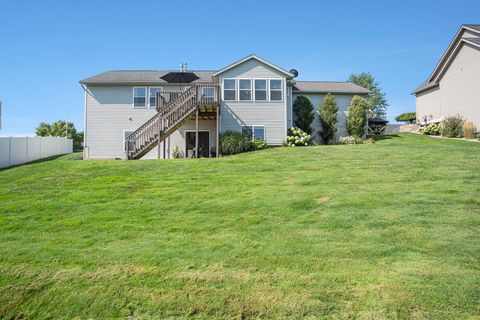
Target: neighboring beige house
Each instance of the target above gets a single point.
(149, 114)
(453, 88)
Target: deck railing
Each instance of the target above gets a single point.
(169, 116)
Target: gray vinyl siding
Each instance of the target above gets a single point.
(459, 89)
(460, 86)
(428, 105)
(109, 111)
(343, 101)
(271, 114)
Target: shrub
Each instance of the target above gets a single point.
(357, 116)
(432, 129)
(328, 118)
(256, 145)
(303, 109)
(350, 140)
(298, 137)
(233, 142)
(452, 127)
(469, 130)
(408, 117)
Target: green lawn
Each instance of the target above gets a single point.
(386, 230)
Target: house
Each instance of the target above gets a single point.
(453, 88)
(149, 114)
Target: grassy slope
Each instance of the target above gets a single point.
(382, 231)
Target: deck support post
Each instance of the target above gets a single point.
(218, 129)
(196, 133)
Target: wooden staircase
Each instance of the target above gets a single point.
(171, 115)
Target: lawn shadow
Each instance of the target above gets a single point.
(37, 161)
(380, 137)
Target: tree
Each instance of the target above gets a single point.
(43, 130)
(303, 109)
(357, 116)
(408, 117)
(377, 102)
(328, 118)
(61, 128)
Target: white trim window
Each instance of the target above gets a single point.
(126, 133)
(229, 89)
(245, 89)
(139, 97)
(208, 95)
(255, 132)
(276, 90)
(260, 89)
(152, 96)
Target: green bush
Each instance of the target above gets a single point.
(452, 127)
(233, 142)
(298, 137)
(328, 118)
(357, 116)
(257, 145)
(432, 130)
(303, 110)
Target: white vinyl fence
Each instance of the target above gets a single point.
(18, 150)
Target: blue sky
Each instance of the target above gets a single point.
(46, 47)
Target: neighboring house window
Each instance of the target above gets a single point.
(260, 89)
(140, 97)
(276, 90)
(245, 89)
(126, 133)
(229, 89)
(153, 96)
(254, 132)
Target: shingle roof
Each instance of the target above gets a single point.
(424, 87)
(473, 26)
(140, 77)
(328, 87)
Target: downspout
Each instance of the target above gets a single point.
(85, 147)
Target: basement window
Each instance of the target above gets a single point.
(256, 132)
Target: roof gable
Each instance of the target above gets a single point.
(472, 38)
(257, 58)
(457, 41)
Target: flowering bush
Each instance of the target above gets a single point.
(350, 140)
(432, 130)
(298, 137)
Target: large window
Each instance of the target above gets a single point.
(254, 132)
(245, 89)
(140, 97)
(260, 89)
(153, 96)
(229, 89)
(276, 91)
